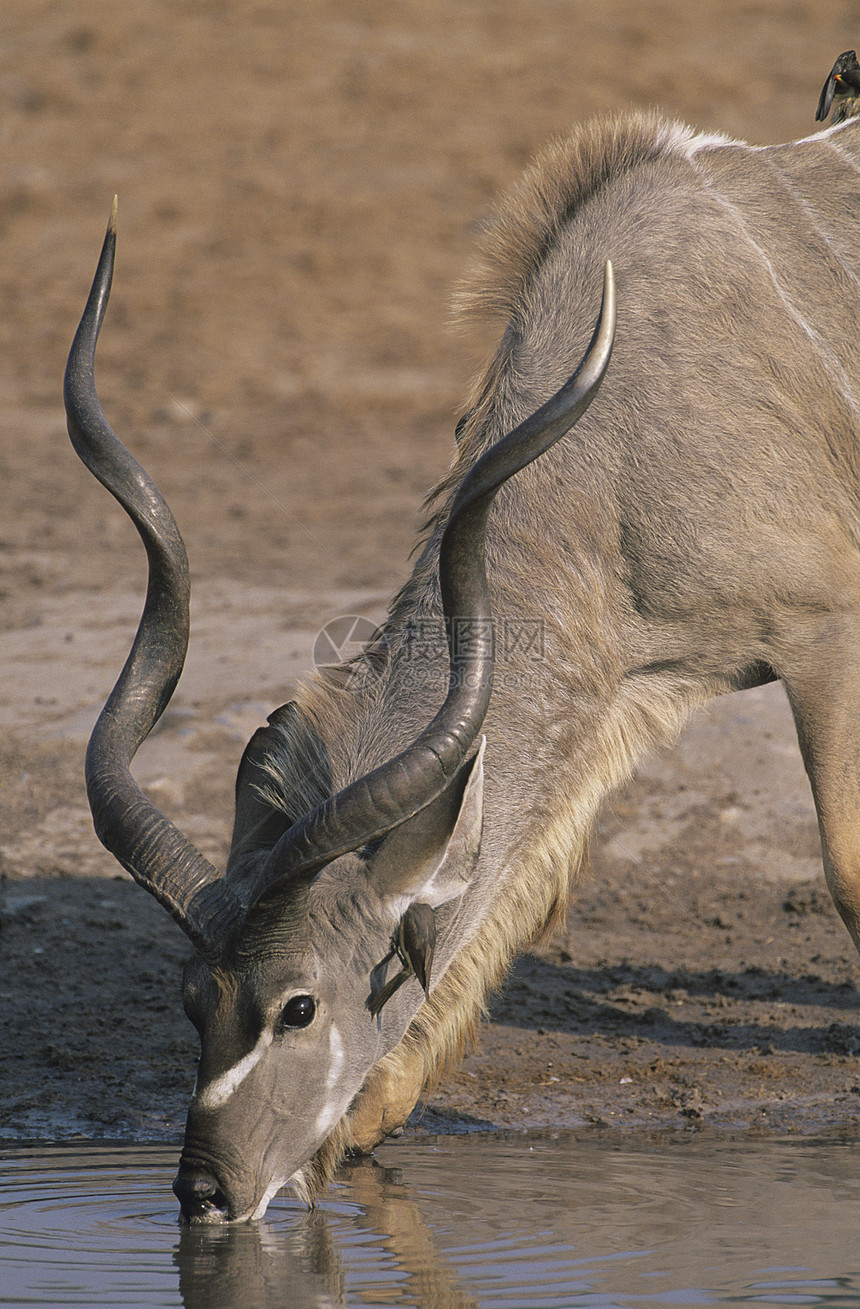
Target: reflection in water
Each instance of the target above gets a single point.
(251, 1267)
(255, 1266)
(390, 1208)
(489, 1223)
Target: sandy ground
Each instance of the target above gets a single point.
(299, 185)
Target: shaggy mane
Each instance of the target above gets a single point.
(563, 176)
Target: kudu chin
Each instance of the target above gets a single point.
(398, 838)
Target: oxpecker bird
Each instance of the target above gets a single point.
(414, 943)
(842, 90)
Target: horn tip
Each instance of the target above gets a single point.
(112, 220)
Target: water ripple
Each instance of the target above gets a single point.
(459, 1223)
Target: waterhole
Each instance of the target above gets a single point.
(452, 1222)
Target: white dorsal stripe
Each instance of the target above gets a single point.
(682, 140)
(825, 134)
(689, 143)
(219, 1090)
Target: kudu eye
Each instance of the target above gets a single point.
(299, 1011)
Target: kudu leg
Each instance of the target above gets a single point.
(826, 707)
(387, 1098)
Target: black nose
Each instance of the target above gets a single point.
(199, 1195)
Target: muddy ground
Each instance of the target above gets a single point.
(299, 186)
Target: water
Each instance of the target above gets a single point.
(496, 1223)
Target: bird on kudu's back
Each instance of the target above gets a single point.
(841, 90)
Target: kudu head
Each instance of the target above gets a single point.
(301, 946)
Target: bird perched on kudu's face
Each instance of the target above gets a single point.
(842, 90)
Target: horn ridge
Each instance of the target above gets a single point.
(127, 823)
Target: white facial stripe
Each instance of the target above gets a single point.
(331, 1109)
(219, 1091)
(335, 1045)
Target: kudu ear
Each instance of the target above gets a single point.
(284, 773)
(432, 857)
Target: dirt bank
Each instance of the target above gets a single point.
(298, 190)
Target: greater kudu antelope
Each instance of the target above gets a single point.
(696, 533)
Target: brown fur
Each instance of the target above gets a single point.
(541, 870)
(666, 566)
(697, 532)
(626, 713)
